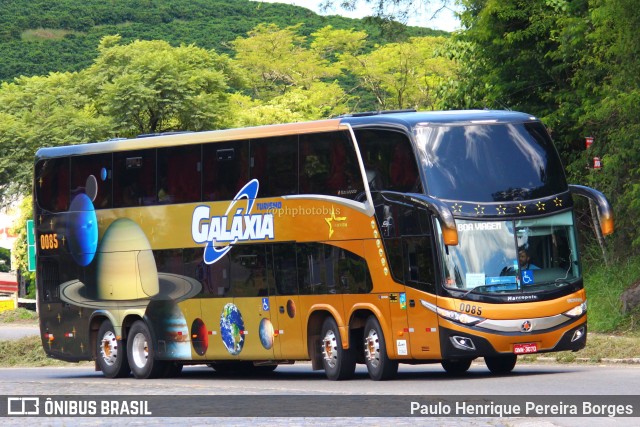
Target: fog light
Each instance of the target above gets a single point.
(462, 343)
(578, 334)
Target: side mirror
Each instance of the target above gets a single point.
(433, 205)
(605, 212)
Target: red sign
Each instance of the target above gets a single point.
(596, 163)
(589, 141)
(525, 348)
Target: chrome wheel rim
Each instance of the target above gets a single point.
(330, 349)
(109, 348)
(140, 350)
(372, 348)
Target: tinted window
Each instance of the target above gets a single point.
(134, 175)
(52, 184)
(225, 169)
(274, 162)
(486, 163)
(214, 277)
(179, 174)
(284, 268)
(328, 165)
(91, 175)
(389, 161)
(248, 271)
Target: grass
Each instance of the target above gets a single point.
(604, 285)
(19, 315)
(24, 352)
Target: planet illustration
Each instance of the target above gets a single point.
(291, 308)
(232, 329)
(126, 274)
(125, 256)
(169, 326)
(266, 333)
(199, 337)
(91, 187)
(82, 230)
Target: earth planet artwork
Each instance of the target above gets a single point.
(232, 329)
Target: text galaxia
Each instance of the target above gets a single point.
(242, 226)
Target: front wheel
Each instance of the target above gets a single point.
(379, 365)
(141, 354)
(339, 364)
(456, 367)
(111, 352)
(501, 364)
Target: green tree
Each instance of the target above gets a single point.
(278, 59)
(39, 112)
(403, 75)
(149, 86)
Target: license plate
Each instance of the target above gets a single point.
(525, 348)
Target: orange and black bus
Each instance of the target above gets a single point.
(374, 238)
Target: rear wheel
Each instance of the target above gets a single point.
(501, 364)
(111, 353)
(339, 364)
(379, 365)
(141, 354)
(456, 367)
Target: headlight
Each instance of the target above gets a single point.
(463, 318)
(577, 311)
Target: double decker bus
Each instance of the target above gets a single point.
(374, 238)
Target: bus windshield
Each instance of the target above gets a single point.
(525, 255)
(490, 162)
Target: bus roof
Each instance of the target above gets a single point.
(406, 120)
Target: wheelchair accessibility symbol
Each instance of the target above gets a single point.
(527, 277)
(265, 304)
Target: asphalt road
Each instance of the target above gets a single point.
(12, 331)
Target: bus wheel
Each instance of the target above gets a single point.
(456, 367)
(140, 352)
(501, 364)
(339, 364)
(379, 365)
(111, 352)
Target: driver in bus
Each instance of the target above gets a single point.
(524, 260)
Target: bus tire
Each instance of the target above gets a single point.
(379, 365)
(339, 364)
(111, 353)
(501, 364)
(141, 354)
(457, 366)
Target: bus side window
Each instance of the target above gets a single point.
(134, 174)
(328, 165)
(225, 169)
(248, 271)
(91, 175)
(274, 162)
(312, 269)
(419, 268)
(285, 268)
(52, 184)
(389, 160)
(179, 174)
(215, 278)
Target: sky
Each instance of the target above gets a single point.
(445, 19)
